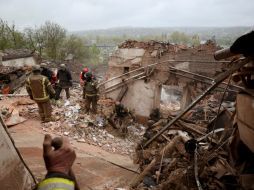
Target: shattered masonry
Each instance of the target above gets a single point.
(133, 55)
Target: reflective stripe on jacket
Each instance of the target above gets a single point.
(56, 184)
(39, 88)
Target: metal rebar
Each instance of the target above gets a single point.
(216, 82)
(203, 81)
(124, 82)
(205, 77)
(154, 64)
(127, 73)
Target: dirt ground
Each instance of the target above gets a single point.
(95, 168)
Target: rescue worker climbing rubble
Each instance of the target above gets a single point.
(64, 81)
(121, 118)
(91, 93)
(39, 89)
(59, 157)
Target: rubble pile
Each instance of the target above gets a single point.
(188, 155)
(166, 46)
(205, 111)
(150, 46)
(71, 121)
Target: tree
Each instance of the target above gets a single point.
(195, 41)
(93, 55)
(35, 39)
(10, 37)
(53, 38)
(74, 45)
(179, 38)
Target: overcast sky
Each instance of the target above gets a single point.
(100, 14)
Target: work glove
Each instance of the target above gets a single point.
(58, 160)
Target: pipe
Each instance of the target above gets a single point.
(154, 64)
(105, 92)
(123, 82)
(203, 81)
(215, 83)
(127, 73)
(205, 77)
(223, 54)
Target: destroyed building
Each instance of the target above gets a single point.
(14, 67)
(140, 74)
(195, 152)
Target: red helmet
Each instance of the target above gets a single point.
(85, 70)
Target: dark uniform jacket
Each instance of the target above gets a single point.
(64, 77)
(39, 88)
(121, 111)
(47, 73)
(91, 88)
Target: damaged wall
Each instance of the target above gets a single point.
(13, 174)
(144, 95)
(20, 62)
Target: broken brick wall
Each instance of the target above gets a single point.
(144, 95)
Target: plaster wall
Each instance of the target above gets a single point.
(140, 97)
(21, 62)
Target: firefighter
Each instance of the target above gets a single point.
(120, 110)
(121, 118)
(49, 74)
(64, 81)
(91, 96)
(46, 72)
(39, 89)
(83, 79)
(59, 157)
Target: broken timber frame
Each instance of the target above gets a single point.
(237, 65)
(118, 85)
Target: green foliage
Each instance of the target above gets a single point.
(94, 55)
(10, 38)
(47, 40)
(53, 37)
(74, 45)
(175, 37)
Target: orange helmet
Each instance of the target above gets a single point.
(85, 70)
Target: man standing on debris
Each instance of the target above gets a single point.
(46, 72)
(91, 96)
(39, 89)
(65, 81)
(59, 157)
